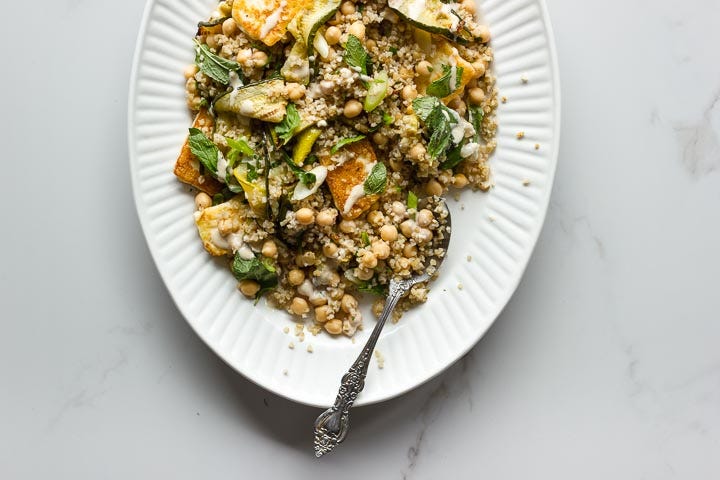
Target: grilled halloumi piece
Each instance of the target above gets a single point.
(187, 167)
(266, 20)
(346, 180)
(208, 224)
(444, 53)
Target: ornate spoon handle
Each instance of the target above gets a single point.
(332, 425)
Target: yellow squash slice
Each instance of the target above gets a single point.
(208, 220)
(266, 20)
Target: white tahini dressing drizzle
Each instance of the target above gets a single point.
(303, 191)
(415, 8)
(461, 129)
(246, 107)
(447, 9)
(272, 20)
(358, 191)
(222, 166)
(453, 71)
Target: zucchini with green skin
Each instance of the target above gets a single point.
(262, 100)
(306, 24)
(432, 16)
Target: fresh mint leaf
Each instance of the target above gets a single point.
(453, 158)
(376, 181)
(212, 65)
(438, 120)
(204, 149)
(307, 178)
(238, 148)
(476, 118)
(346, 141)
(286, 129)
(375, 289)
(262, 272)
(365, 238)
(217, 199)
(423, 106)
(393, 50)
(412, 200)
(447, 83)
(355, 54)
(252, 173)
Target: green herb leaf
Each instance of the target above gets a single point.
(346, 141)
(238, 148)
(412, 200)
(393, 50)
(214, 66)
(447, 83)
(375, 289)
(453, 158)
(286, 129)
(376, 181)
(252, 173)
(387, 118)
(218, 198)
(355, 54)
(262, 272)
(365, 238)
(307, 178)
(439, 120)
(204, 149)
(476, 118)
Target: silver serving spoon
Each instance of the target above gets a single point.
(332, 425)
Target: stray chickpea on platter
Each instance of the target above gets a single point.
(323, 136)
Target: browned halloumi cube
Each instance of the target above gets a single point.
(266, 20)
(187, 166)
(347, 179)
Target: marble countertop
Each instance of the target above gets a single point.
(605, 364)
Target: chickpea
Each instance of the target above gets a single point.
(482, 32)
(408, 227)
(352, 108)
(332, 35)
(336, 293)
(357, 29)
(190, 71)
(318, 300)
(334, 279)
(296, 277)
(370, 44)
(368, 260)
(295, 91)
(260, 58)
(364, 273)
(460, 181)
(381, 249)
(476, 96)
(347, 226)
(330, 250)
(243, 56)
(433, 187)
(398, 208)
(326, 217)
(409, 92)
(458, 105)
(203, 200)
(348, 303)
(299, 306)
(321, 313)
(423, 235)
(211, 41)
(409, 250)
(306, 259)
(388, 233)
(249, 288)
(380, 139)
(305, 216)
(417, 152)
(424, 217)
(334, 326)
(229, 27)
(375, 218)
(336, 20)
(269, 249)
(347, 8)
(479, 68)
(469, 6)
(423, 68)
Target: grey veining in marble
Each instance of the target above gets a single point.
(605, 364)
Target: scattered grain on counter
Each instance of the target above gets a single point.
(537, 146)
(460, 286)
(380, 359)
(504, 99)
(520, 135)
(286, 330)
(469, 258)
(526, 182)
(310, 349)
(291, 345)
(524, 78)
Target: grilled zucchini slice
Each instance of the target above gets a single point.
(432, 16)
(262, 100)
(314, 16)
(266, 20)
